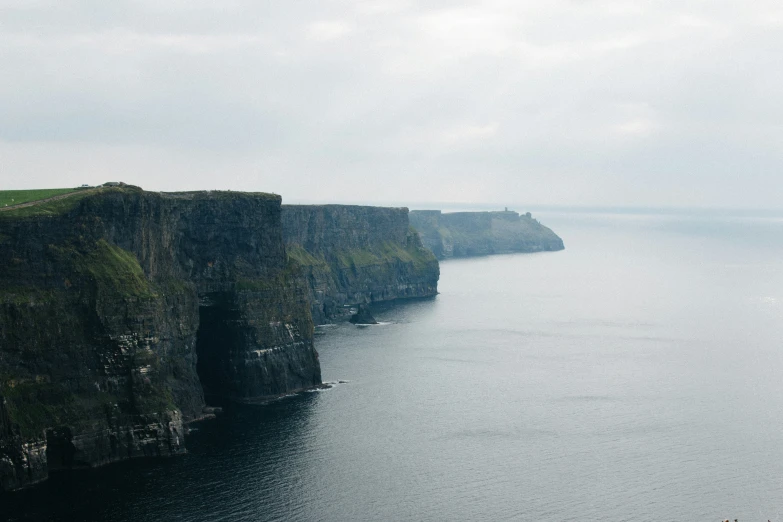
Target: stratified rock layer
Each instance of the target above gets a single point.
(460, 234)
(107, 298)
(354, 255)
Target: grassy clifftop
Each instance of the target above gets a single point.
(9, 198)
(49, 202)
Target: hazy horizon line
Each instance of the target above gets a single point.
(461, 206)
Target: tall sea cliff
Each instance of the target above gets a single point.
(119, 307)
(460, 234)
(353, 255)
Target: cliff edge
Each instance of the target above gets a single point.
(354, 255)
(119, 308)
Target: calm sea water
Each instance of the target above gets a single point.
(637, 375)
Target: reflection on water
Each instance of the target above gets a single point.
(216, 479)
(633, 376)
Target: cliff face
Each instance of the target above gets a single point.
(353, 255)
(460, 234)
(107, 301)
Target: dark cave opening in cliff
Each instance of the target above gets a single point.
(215, 341)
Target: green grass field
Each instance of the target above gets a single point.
(14, 197)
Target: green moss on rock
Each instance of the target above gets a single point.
(357, 254)
(35, 404)
(109, 266)
(119, 269)
(302, 256)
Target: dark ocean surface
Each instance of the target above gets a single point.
(637, 375)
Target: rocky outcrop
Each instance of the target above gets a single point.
(363, 316)
(118, 304)
(461, 234)
(354, 255)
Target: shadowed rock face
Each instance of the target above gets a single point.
(354, 255)
(363, 316)
(107, 301)
(461, 234)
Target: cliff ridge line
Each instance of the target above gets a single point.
(462, 234)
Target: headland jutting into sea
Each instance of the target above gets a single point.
(121, 309)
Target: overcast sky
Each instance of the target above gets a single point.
(573, 102)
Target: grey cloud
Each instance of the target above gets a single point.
(566, 102)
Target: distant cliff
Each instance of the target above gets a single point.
(354, 254)
(107, 301)
(461, 234)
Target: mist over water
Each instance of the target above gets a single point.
(634, 376)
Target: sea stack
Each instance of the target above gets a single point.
(363, 316)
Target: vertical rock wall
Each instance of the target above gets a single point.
(353, 255)
(101, 299)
